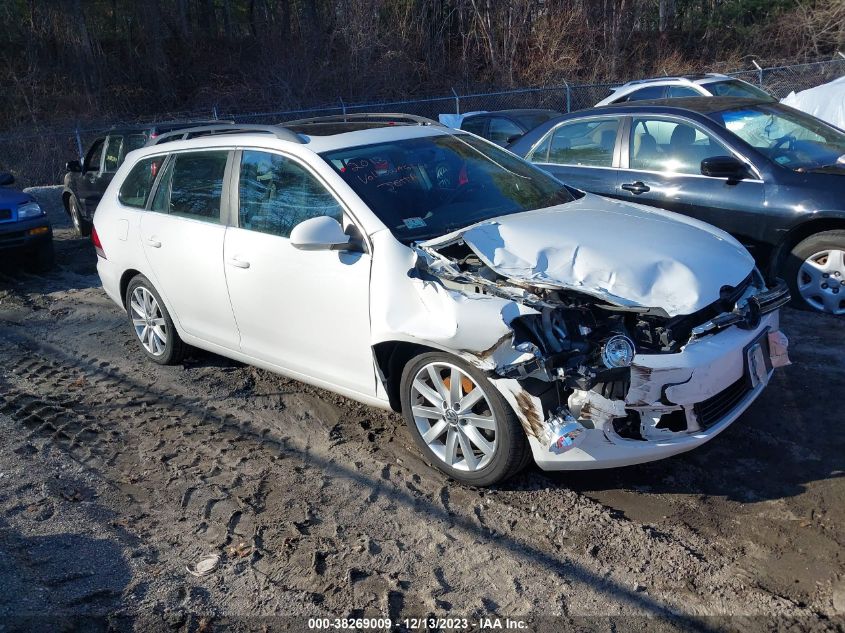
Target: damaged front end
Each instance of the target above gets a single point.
(598, 381)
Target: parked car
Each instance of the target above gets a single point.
(768, 174)
(503, 127)
(24, 228)
(701, 85)
(409, 266)
(85, 182)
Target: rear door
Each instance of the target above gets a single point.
(182, 236)
(661, 166)
(582, 153)
(88, 190)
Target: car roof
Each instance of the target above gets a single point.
(315, 137)
(160, 126)
(677, 105)
(516, 112)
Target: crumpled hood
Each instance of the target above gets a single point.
(624, 253)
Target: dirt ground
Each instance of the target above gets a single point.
(117, 474)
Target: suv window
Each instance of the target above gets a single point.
(192, 185)
(474, 124)
(136, 188)
(588, 143)
(682, 91)
(501, 130)
(114, 145)
(649, 92)
(92, 161)
(277, 193)
(661, 145)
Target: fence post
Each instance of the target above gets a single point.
(214, 112)
(568, 96)
(343, 108)
(79, 144)
(759, 71)
(457, 102)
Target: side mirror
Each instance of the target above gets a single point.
(319, 234)
(724, 167)
(73, 165)
(514, 138)
(6, 178)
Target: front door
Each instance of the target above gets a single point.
(306, 311)
(182, 236)
(581, 154)
(662, 168)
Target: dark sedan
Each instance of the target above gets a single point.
(506, 126)
(770, 175)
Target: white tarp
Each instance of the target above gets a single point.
(826, 102)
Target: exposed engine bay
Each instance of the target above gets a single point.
(575, 352)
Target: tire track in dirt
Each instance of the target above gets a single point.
(214, 471)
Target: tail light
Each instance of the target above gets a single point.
(95, 239)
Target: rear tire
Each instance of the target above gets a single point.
(151, 324)
(81, 226)
(479, 442)
(815, 273)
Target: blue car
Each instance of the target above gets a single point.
(25, 232)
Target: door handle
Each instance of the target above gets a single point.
(153, 242)
(636, 187)
(237, 263)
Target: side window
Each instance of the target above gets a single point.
(670, 146)
(474, 124)
(114, 151)
(588, 143)
(192, 185)
(131, 142)
(136, 188)
(682, 91)
(92, 161)
(276, 194)
(649, 92)
(502, 130)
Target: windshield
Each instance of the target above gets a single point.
(736, 88)
(426, 187)
(789, 138)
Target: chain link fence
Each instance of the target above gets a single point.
(36, 155)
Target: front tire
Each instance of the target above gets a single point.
(81, 226)
(151, 323)
(815, 272)
(460, 422)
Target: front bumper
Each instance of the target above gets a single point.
(25, 234)
(708, 385)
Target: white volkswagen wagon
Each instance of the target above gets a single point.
(418, 268)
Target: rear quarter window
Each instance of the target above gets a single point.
(136, 188)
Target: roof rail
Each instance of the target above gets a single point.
(365, 117)
(281, 133)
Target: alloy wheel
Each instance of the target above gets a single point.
(453, 416)
(148, 321)
(821, 281)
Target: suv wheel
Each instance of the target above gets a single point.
(815, 272)
(151, 323)
(460, 421)
(80, 224)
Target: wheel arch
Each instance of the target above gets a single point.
(799, 233)
(66, 194)
(127, 276)
(391, 357)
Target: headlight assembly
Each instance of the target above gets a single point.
(29, 210)
(618, 351)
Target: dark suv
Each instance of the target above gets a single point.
(24, 227)
(770, 175)
(85, 182)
